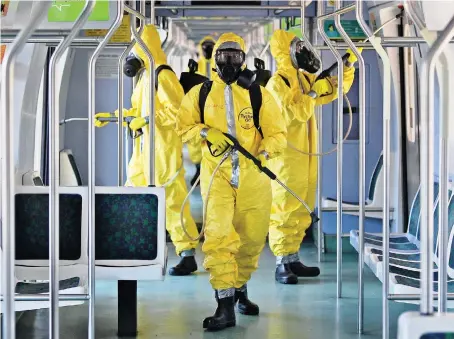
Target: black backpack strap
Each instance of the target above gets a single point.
(255, 95)
(204, 91)
(158, 70)
(285, 80)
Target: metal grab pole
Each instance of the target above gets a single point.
(227, 7)
(362, 168)
(338, 11)
(136, 13)
(320, 235)
(92, 168)
(340, 152)
(121, 143)
(92, 42)
(152, 11)
(151, 113)
(120, 110)
(54, 175)
(308, 43)
(386, 157)
(340, 128)
(426, 104)
(8, 170)
(442, 68)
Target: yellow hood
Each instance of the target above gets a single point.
(229, 37)
(199, 47)
(280, 48)
(150, 37)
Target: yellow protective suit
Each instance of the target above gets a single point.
(289, 219)
(169, 148)
(240, 199)
(205, 66)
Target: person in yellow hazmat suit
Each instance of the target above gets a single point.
(239, 200)
(297, 92)
(205, 48)
(168, 149)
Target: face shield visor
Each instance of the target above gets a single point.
(207, 49)
(133, 65)
(303, 58)
(228, 63)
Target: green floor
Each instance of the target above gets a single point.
(175, 308)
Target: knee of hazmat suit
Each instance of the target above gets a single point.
(239, 201)
(295, 65)
(168, 146)
(205, 64)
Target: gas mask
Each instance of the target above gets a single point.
(207, 49)
(228, 64)
(303, 58)
(132, 65)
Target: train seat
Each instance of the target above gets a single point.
(69, 173)
(400, 243)
(32, 244)
(405, 265)
(374, 196)
(130, 223)
(74, 285)
(130, 235)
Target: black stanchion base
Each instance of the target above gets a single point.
(127, 308)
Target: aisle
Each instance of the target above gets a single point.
(174, 309)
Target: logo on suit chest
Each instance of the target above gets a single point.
(246, 118)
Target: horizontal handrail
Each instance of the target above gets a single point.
(38, 297)
(341, 11)
(414, 297)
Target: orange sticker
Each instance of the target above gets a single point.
(2, 52)
(5, 5)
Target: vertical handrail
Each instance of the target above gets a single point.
(152, 11)
(362, 168)
(92, 167)
(340, 128)
(442, 68)
(54, 175)
(308, 43)
(120, 128)
(306, 39)
(426, 104)
(121, 153)
(375, 41)
(151, 113)
(319, 109)
(8, 221)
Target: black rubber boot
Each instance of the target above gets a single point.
(284, 275)
(245, 306)
(223, 317)
(196, 175)
(186, 266)
(304, 271)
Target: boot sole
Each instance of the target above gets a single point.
(245, 312)
(180, 274)
(288, 281)
(307, 275)
(218, 327)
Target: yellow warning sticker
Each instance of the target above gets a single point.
(2, 52)
(122, 34)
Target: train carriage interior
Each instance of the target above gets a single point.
(108, 148)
